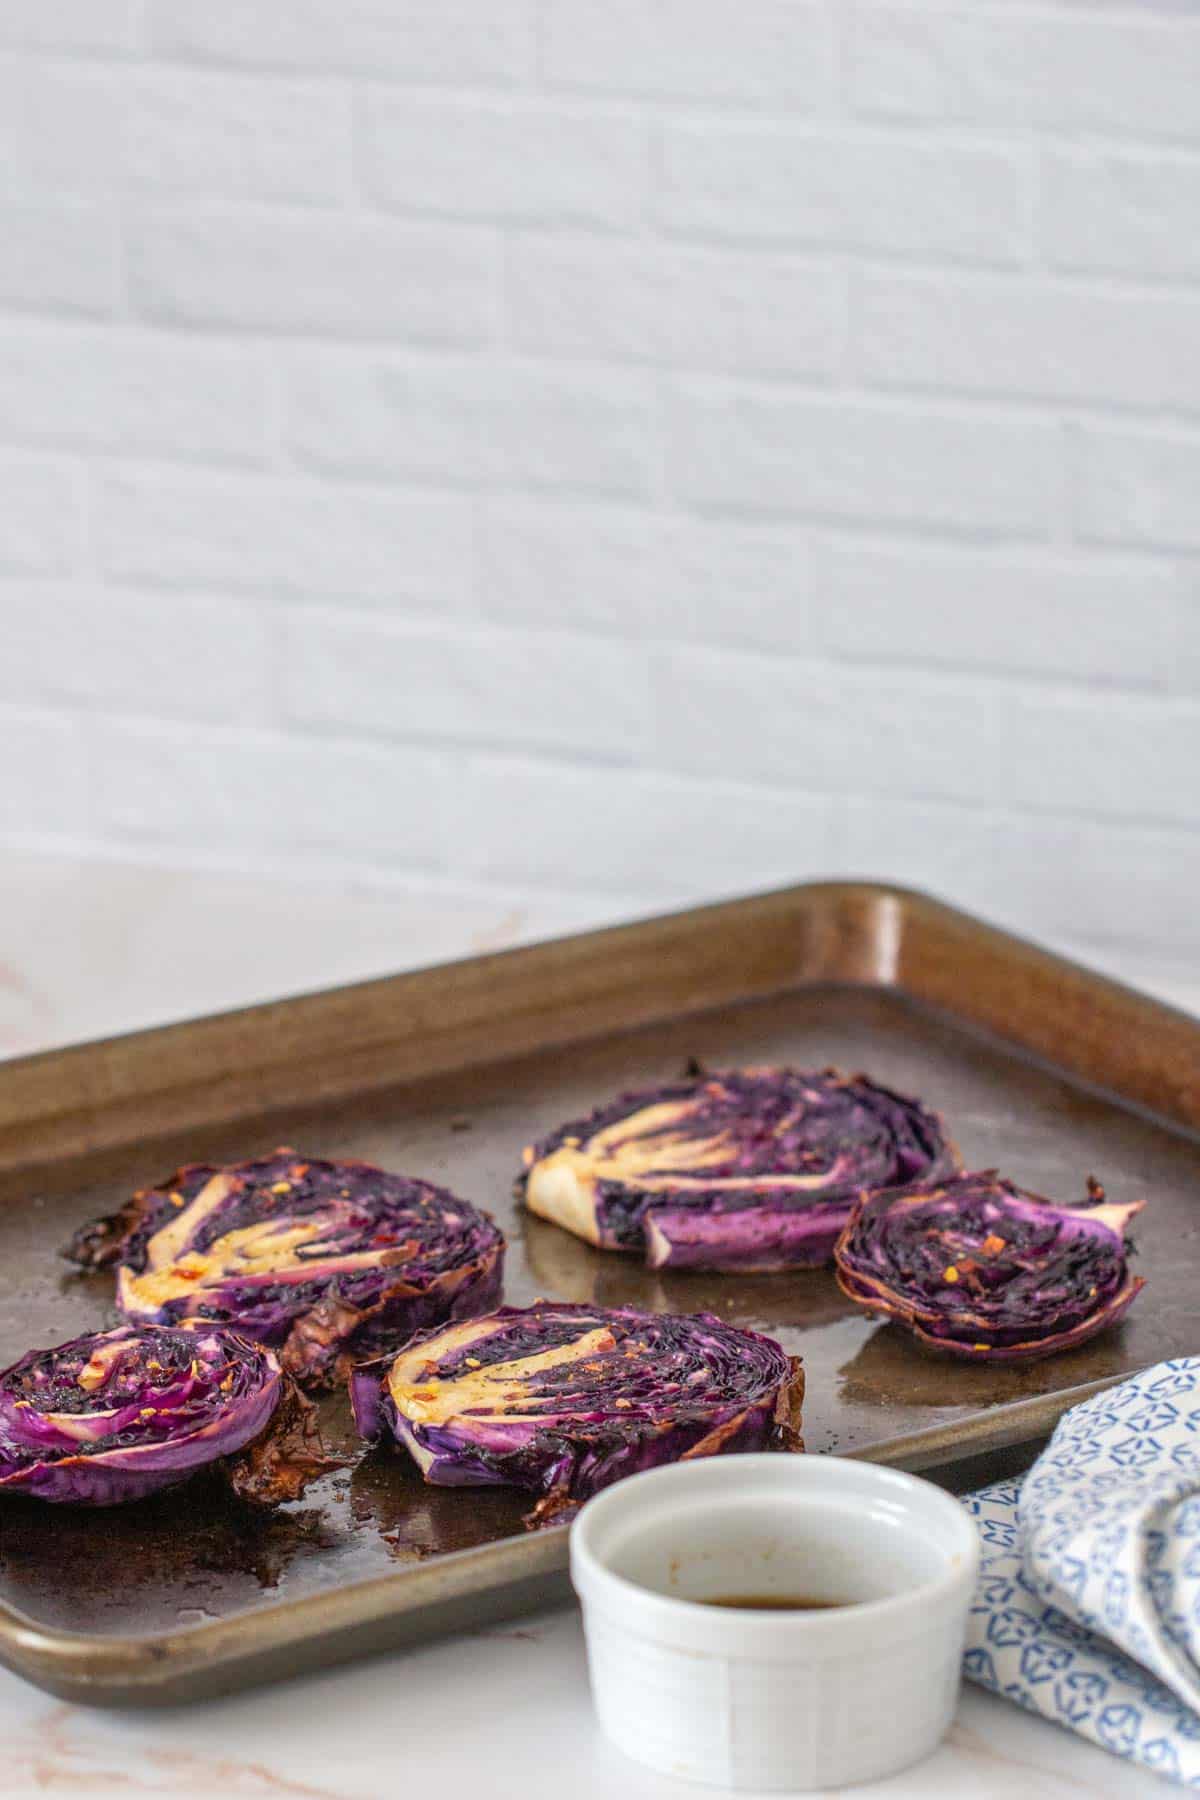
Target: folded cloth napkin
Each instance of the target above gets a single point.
(1088, 1605)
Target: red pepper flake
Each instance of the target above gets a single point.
(993, 1244)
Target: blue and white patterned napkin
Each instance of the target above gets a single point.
(1088, 1605)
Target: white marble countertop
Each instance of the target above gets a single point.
(91, 949)
(504, 1712)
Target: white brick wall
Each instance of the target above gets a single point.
(1084, 65)
(59, 258)
(484, 422)
(275, 537)
(125, 393)
(41, 520)
(469, 41)
(509, 162)
(770, 450)
(879, 192)
(628, 449)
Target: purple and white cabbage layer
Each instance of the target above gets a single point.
(326, 1259)
(117, 1415)
(564, 1400)
(980, 1269)
(751, 1169)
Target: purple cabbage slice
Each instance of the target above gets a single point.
(750, 1169)
(116, 1415)
(328, 1260)
(978, 1268)
(563, 1400)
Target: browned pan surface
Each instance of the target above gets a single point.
(227, 1587)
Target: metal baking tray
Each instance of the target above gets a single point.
(1039, 1066)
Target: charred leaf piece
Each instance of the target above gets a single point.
(101, 1242)
(978, 1268)
(116, 1415)
(279, 1464)
(326, 1259)
(564, 1400)
(750, 1169)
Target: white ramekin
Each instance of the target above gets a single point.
(761, 1699)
